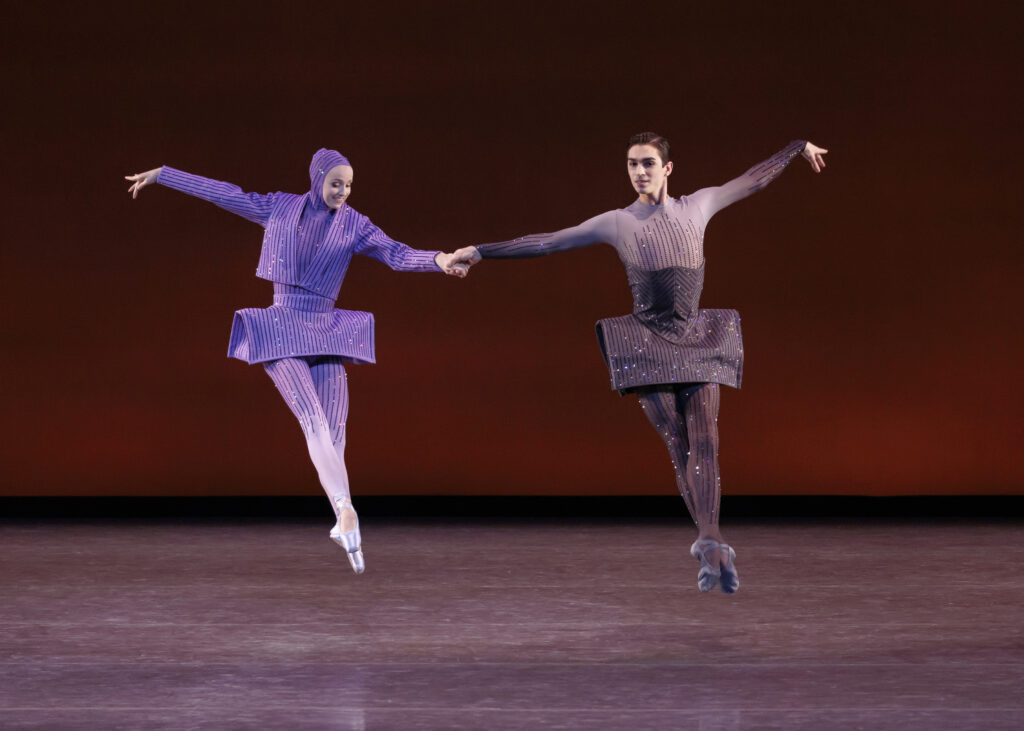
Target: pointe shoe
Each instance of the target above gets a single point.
(730, 577)
(709, 574)
(351, 540)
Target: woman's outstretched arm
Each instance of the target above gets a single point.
(596, 230)
(255, 207)
(712, 200)
(373, 242)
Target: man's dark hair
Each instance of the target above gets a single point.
(654, 140)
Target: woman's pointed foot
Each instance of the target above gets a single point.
(350, 540)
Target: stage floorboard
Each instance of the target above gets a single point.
(510, 624)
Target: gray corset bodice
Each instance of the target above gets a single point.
(666, 300)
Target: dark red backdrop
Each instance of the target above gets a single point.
(882, 346)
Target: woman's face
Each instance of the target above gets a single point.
(646, 171)
(337, 186)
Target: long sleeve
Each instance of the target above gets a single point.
(375, 243)
(712, 200)
(596, 230)
(255, 207)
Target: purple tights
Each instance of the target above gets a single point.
(316, 391)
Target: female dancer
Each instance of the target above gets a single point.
(670, 353)
(302, 340)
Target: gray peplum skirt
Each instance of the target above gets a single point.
(301, 325)
(707, 349)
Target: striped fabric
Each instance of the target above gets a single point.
(667, 339)
(306, 252)
(712, 200)
(316, 391)
(686, 419)
(301, 325)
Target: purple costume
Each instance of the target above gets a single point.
(302, 340)
(306, 252)
(669, 351)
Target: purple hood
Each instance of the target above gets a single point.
(323, 161)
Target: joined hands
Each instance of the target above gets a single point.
(458, 262)
(451, 266)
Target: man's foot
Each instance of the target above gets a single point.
(708, 552)
(730, 580)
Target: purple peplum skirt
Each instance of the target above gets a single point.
(301, 325)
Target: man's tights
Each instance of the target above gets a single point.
(686, 417)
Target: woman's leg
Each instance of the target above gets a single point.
(295, 381)
(331, 383)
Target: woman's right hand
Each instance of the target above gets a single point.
(141, 180)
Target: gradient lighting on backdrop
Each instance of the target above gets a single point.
(875, 296)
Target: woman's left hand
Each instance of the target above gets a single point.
(450, 266)
(813, 153)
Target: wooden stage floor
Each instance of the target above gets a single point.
(483, 624)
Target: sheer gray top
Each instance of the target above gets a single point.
(667, 338)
